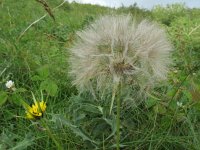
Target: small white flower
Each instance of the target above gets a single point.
(10, 84)
(179, 104)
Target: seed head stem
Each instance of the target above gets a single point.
(118, 114)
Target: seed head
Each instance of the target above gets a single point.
(117, 46)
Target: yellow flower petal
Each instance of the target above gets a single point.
(36, 110)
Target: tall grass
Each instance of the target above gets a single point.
(39, 61)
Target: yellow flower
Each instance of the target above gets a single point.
(36, 111)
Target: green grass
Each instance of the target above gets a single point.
(39, 60)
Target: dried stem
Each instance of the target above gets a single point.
(36, 21)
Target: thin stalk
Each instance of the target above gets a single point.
(118, 114)
(103, 143)
(59, 147)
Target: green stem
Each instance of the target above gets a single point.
(118, 115)
(59, 147)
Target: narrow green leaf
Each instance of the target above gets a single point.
(23, 144)
(113, 126)
(3, 97)
(78, 131)
(90, 108)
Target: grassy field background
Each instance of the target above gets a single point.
(38, 60)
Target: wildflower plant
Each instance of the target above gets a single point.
(37, 109)
(115, 52)
(10, 85)
(34, 113)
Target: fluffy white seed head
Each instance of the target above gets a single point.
(117, 47)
